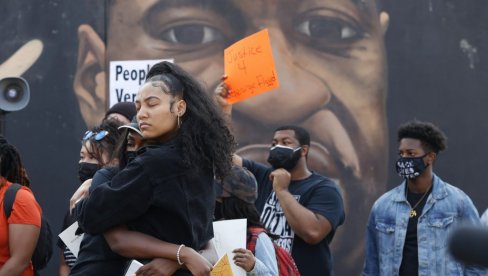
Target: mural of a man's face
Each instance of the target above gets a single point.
(330, 61)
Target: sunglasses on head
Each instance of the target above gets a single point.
(97, 136)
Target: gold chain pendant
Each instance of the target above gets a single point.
(413, 213)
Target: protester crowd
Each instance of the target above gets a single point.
(154, 175)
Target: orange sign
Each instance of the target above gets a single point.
(250, 67)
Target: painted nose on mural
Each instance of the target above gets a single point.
(300, 93)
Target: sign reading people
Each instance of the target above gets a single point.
(249, 67)
(126, 77)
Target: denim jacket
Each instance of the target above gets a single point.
(446, 207)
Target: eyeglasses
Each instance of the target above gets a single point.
(95, 135)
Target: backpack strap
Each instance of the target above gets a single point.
(9, 198)
(254, 233)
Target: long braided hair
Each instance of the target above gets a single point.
(11, 166)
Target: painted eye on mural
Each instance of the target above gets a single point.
(326, 29)
(191, 34)
(324, 32)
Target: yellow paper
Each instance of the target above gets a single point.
(222, 267)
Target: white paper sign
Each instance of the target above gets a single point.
(126, 77)
(133, 267)
(230, 235)
(70, 239)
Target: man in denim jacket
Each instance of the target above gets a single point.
(408, 228)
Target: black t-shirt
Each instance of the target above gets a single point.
(410, 260)
(318, 194)
(95, 256)
(156, 194)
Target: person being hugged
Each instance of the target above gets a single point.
(167, 191)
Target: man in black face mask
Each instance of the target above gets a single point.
(303, 208)
(408, 226)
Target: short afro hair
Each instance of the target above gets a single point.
(432, 138)
(301, 134)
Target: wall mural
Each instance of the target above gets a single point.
(350, 72)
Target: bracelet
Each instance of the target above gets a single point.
(178, 255)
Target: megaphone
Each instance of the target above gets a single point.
(14, 94)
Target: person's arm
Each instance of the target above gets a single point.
(220, 94)
(266, 263)
(23, 227)
(371, 263)
(101, 176)
(129, 195)
(311, 227)
(22, 241)
(132, 244)
(158, 266)
(63, 266)
(80, 193)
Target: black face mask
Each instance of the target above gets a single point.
(130, 155)
(410, 167)
(87, 170)
(284, 157)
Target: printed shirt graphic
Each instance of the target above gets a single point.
(318, 194)
(273, 219)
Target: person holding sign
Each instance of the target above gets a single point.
(329, 57)
(167, 191)
(236, 195)
(300, 206)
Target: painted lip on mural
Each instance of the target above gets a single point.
(338, 145)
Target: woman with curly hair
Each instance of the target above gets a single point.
(167, 191)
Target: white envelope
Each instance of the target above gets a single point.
(133, 267)
(70, 239)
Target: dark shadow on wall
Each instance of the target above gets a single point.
(48, 131)
(438, 65)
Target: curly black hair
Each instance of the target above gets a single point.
(107, 144)
(204, 136)
(11, 166)
(432, 138)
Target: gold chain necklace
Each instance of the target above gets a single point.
(413, 213)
